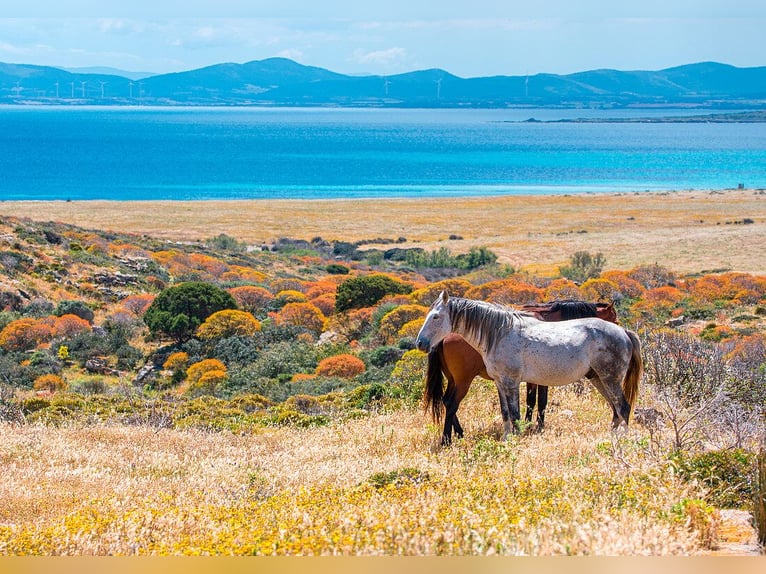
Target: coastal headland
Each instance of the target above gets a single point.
(685, 231)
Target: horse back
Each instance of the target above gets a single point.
(566, 310)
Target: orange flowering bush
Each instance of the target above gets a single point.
(50, 382)
(228, 323)
(303, 315)
(25, 334)
(651, 276)
(506, 291)
(196, 370)
(318, 288)
(396, 318)
(204, 377)
(563, 289)
(626, 286)
(251, 298)
(429, 293)
(290, 296)
(751, 345)
(241, 273)
(352, 324)
(344, 366)
(410, 329)
(658, 301)
(737, 287)
(600, 290)
(287, 284)
(69, 325)
(127, 250)
(137, 304)
(175, 361)
(207, 263)
(325, 303)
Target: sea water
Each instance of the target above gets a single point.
(171, 153)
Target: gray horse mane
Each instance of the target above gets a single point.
(486, 322)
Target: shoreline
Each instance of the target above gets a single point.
(685, 231)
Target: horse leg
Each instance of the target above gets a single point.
(456, 426)
(450, 406)
(542, 403)
(531, 398)
(508, 391)
(613, 395)
(450, 421)
(456, 391)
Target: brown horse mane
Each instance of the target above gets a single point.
(570, 309)
(484, 321)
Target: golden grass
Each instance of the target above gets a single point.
(576, 489)
(687, 231)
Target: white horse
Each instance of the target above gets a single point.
(517, 347)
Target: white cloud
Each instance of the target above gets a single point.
(12, 49)
(389, 57)
(292, 54)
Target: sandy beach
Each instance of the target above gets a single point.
(686, 231)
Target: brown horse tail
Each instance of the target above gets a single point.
(635, 370)
(434, 390)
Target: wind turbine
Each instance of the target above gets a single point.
(72, 84)
(385, 85)
(438, 88)
(83, 89)
(102, 89)
(57, 90)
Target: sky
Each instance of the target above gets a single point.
(468, 38)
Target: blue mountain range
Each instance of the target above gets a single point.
(283, 82)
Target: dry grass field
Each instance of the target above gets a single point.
(379, 485)
(687, 231)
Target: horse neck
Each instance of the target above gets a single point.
(480, 324)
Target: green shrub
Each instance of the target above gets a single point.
(583, 266)
(79, 308)
(407, 379)
(385, 355)
(89, 386)
(367, 290)
(399, 477)
(727, 474)
(337, 269)
(287, 416)
(178, 311)
(699, 517)
(226, 243)
(365, 396)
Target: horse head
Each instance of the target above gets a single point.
(437, 324)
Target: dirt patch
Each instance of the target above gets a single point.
(737, 535)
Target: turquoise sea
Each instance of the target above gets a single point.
(139, 153)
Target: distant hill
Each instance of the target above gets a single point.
(131, 75)
(283, 82)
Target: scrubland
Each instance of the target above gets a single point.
(303, 434)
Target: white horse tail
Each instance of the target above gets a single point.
(635, 370)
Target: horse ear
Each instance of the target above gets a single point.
(444, 296)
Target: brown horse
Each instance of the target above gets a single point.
(461, 363)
